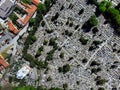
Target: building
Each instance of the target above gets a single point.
(30, 10)
(3, 63)
(23, 72)
(6, 8)
(12, 28)
(36, 2)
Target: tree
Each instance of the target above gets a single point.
(102, 9)
(93, 21)
(43, 23)
(49, 31)
(41, 8)
(31, 21)
(28, 57)
(55, 17)
(94, 70)
(33, 38)
(108, 4)
(112, 12)
(101, 82)
(52, 41)
(38, 53)
(81, 11)
(92, 2)
(95, 30)
(91, 48)
(83, 40)
(96, 42)
(117, 20)
(45, 42)
(84, 60)
(64, 69)
(47, 3)
(93, 63)
(62, 8)
(50, 55)
(62, 55)
(60, 69)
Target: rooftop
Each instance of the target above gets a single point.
(6, 8)
(23, 72)
(3, 63)
(12, 28)
(36, 2)
(30, 10)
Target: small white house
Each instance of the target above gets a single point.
(23, 72)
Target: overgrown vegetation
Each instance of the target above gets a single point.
(41, 10)
(13, 17)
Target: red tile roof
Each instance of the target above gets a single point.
(3, 63)
(36, 2)
(30, 10)
(12, 28)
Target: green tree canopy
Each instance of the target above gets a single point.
(31, 21)
(102, 8)
(117, 20)
(112, 12)
(41, 8)
(93, 21)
